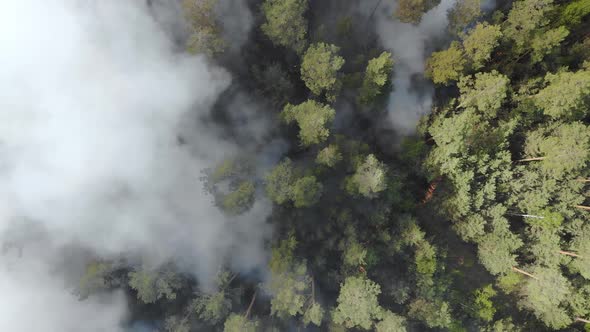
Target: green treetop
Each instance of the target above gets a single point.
(544, 296)
(581, 246)
(433, 313)
(486, 92)
(284, 184)
(391, 323)
(329, 156)
(502, 325)
(377, 76)
(525, 19)
(567, 95)
(357, 303)
(240, 323)
(496, 249)
(285, 24)
(545, 43)
(306, 191)
(240, 200)
(574, 12)
(214, 307)
(411, 11)
(279, 181)
(292, 288)
(289, 282)
(543, 244)
(369, 179)
(566, 149)
(319, 69)
(480, 42)
(446, 66)
(312, 118)
(152, 285)
(482, 303)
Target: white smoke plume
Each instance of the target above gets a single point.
(410, 45)
(93, 97)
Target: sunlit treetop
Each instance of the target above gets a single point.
(285, 23)
(320, 69)
(446, 66)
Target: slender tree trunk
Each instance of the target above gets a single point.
(531, 159)
(578, 319)
(567, 253)
(586, 208)
(583, 180)
(251, 304)
(525, 215)
(524, 272)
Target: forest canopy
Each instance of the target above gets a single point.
(477, 220)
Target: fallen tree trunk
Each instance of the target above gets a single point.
(524, 272)
(567, 253)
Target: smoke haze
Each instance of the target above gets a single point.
(411, 96)
(93, 97)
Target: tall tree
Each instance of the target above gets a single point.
(312, 118)
(291, 287)
(240, 323)
(319, 69)
(525, 19)
(391, 323)
(560, 151)
(306, 191)
(279, 181)
(545, 295)
(329, 156)
(377, 77)
(566, 96)
(446, 66)
(545, 43)
(433, 313)
(496, 250)
(480, 42)
(482, 303)
(357, 303)
(285, 23)
(152, 285)
(485, 91)
(369, 179)
(581, 246)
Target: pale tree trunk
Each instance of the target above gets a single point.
(567, 253)
(525, 215)
(578, 319)
(531, 159)
(582, 207)
(583, 180)
(515, 269)
(251, 304)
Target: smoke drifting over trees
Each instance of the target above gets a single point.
(294, 165)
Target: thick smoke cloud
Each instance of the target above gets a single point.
(412, 95)
(93, 98)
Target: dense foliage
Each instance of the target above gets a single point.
(477, 222)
